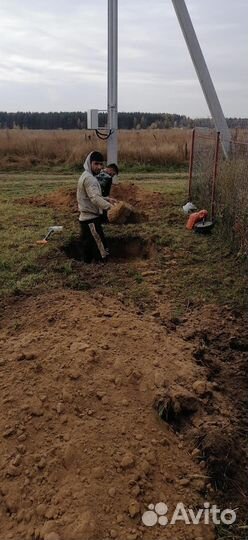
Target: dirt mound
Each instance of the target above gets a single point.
(136, 196)
(62, 198)
(123, 212)
(83, 452)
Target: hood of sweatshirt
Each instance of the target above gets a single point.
(87, 164)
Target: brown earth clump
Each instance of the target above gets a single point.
(83, 452)
(137, 196)
(122, 213)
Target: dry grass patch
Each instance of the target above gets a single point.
(25, 149)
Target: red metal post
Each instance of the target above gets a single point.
(216, 161)
(191, 162)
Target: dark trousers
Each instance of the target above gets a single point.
(93, 241)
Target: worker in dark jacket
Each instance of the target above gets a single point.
(105, 178)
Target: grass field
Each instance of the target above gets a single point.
(160, 151)
(187, 267)
(66, 150)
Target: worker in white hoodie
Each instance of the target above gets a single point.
(91, 205)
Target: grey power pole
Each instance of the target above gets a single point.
(203, 73)
(112, 149)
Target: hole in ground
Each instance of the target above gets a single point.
(128, 247)
(176, 411)
(131, 247)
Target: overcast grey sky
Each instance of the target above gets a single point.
(53, 55)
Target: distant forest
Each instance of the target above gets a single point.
(126, 120)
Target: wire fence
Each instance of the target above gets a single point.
(220, 185)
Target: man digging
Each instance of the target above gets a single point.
(91, 205)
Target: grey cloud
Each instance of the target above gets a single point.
(60, 50)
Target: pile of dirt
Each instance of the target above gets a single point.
(123, 212)
(101, 413)
(136, 196)
(62, 198)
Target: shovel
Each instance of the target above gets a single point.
(51, 230)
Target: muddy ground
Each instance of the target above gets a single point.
(107, 408)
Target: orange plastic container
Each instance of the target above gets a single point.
(195, 217)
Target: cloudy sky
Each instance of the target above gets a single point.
(53, 55)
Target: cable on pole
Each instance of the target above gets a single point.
(103, 136)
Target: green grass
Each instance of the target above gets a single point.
(22, 268)
(189, 268)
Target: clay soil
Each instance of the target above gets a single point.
(106, 409)
(130, 193)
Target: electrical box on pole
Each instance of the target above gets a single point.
(92, 119)
(112, 111)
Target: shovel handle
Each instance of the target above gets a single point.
(41, 242)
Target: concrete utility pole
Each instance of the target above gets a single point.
(112, 149)
(203, 73)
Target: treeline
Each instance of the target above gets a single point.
(126, 120)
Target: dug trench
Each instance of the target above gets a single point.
(120, 247)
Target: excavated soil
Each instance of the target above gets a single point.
(105, 410)
(138, 197)
(62, 198)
